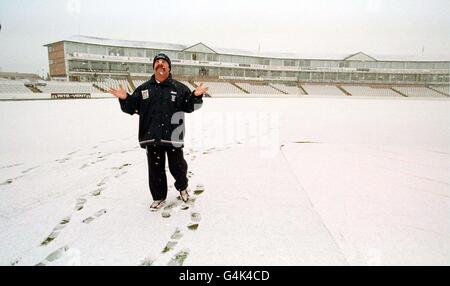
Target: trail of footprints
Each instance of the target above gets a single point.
(79, 205)
(24, 172)
(195, 217)
(66, 158)
(193, 153)
(100, 158)
(176, 260)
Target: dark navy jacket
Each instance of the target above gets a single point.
(161, 108)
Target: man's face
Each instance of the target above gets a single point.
(161, 68)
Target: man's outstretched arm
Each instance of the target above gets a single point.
(128, 103)
(193, 100)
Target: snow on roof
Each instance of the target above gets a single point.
(413, 58)
(316, 56)
(123, 43)
(228, 51)
(277, 55)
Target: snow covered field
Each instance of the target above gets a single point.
(289, 181)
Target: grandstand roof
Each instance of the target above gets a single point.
(227, 51)
(19, 75)
(360, 56)
(121, 43)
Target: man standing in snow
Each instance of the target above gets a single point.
(161, 103)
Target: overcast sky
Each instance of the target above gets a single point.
(377, 27)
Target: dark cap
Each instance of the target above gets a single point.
(164, 57)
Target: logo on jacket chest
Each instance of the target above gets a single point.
(145, 94)
(174, 95)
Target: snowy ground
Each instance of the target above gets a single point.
(289, 181)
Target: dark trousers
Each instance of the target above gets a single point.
(156, 159)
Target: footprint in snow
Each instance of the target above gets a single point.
(179, 258)
(56, 231)
(199, 189)
(122, 166)
(71, 153)
(195, 218)
(63, 160)
(120, 174)
(53, 256)
(177, 234)
(102, 182)
(94, 216)
(7, 182)
(15, 261)
(10, 166)
(167, 210)
(148, 261)
(97, 192)
(80, 204)
(169, 246)
(99, 159)
(29, 169)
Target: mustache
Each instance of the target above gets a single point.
(159, 66)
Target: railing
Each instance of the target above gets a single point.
(334, 81)
(84, 56)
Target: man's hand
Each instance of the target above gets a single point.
(199, 90)
(120, 92)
